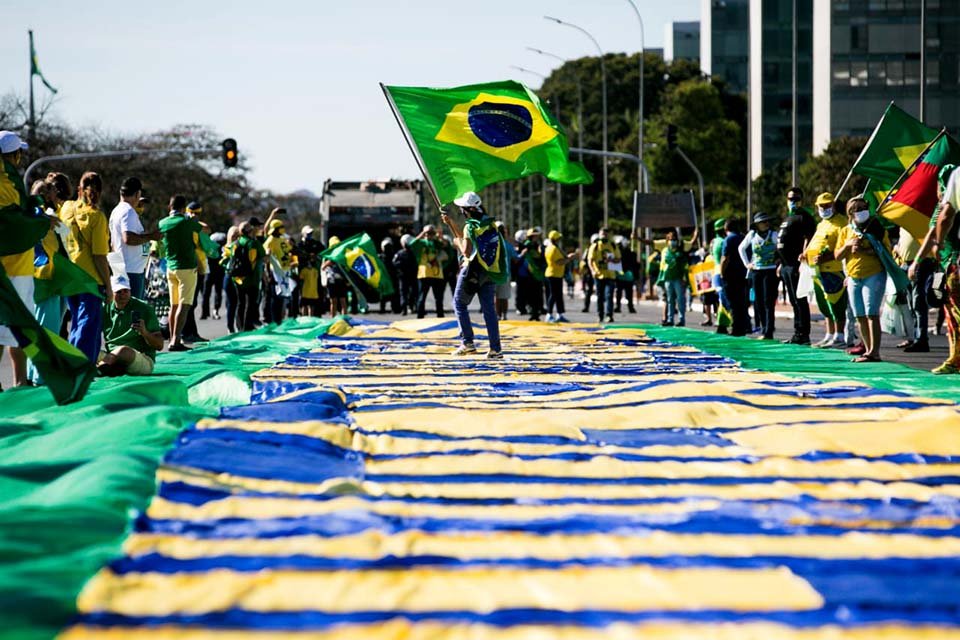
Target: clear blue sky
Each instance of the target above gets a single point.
(295, 81)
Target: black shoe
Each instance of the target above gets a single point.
(585, 310)
(681, 324)
(632, 309)
(194, 339)
(610, 319)
(616, 309)
(722, 330)
(920, 346)
(204, 317)
(797, 340)
(179, 347)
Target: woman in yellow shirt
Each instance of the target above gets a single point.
(828, 279)
(867, 279)
(556, 265)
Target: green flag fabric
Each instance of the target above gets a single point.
(66, 280)
(35, 66)
(473, 136)
(358, 259)
(64, 369)
(895, 143)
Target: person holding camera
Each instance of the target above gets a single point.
(132, 333)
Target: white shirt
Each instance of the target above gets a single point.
(951, 195)
(124, 218)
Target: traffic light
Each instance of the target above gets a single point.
(671, 137)
(229, 152)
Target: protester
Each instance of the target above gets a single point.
(484, 266)
(88, 245)
(627, 277)
(387, 252)
(229, 287)
(519, 300)
(733, 275)
(132, 333)
(191, 332)
(557, 262)
(450, 260)
(796, 231)
(724, 319)
(762, 266)
(947, 238)
(857, 246)
(673, 278)
(503, 288)
(828, 278)
(405, 266)
(178, 237)
(245, 269)
(335, 283)
(279, 263)
(530, 273)
(128, 236)
(23, 227)
(430, 256)
(603, 257)
(213, 288)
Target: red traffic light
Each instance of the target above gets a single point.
(230, 152)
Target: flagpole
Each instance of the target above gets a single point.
(411, 146)
(906, 173)
(33, 120)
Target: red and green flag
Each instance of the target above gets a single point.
(467, 138)
(913, 200)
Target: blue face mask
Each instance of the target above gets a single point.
(791, 205)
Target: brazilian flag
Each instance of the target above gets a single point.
(358, 260)
(470, 137)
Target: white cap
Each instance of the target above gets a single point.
(119, 281)
(10, 142)
(469, 199)
(307, 230)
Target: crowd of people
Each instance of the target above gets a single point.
(136, 291)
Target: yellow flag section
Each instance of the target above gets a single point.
(595, 483)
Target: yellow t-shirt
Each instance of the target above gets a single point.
(825, 239)
(281, 249)
(18, 264)
(556, 262)
(309, 277)
(863, 263)
(89, 235)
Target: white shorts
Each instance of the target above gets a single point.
(24, 287)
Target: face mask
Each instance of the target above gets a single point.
(826, 213)
(861, 217)
(791, 205)
(674, 244)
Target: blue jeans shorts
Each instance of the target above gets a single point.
(866, 294)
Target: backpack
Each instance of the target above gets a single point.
(239, 267)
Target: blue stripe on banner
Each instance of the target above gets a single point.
(727, 519)
(309, 620)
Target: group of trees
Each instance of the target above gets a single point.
(226, 194)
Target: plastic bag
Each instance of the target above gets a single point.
(895, 316)
(805, 283)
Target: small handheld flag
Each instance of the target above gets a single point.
(35, 67)
(469, 137)
(357, 258)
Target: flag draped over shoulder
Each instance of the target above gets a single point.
(473, 136)
(488, 248)
(913, 202)
(358, 259)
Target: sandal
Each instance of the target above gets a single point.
(867, 359)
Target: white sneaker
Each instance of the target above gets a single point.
(464, 350)
(551, 318)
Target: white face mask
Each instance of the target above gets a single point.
(826, 213)
(860, 217)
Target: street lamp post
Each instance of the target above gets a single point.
(603, 78)
(643, 39)
(579, 144)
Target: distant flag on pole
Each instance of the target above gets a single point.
(35, 67)
(470, 137)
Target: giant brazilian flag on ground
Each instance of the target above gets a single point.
(473, 136)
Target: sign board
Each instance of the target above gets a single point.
(662, 210)
(701, 277)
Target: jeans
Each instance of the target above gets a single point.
(86, 327)
(555, 296)
(765, 284)
(676, 300)
(918, 299)
(462, 299)
(624, 289)
(247, 311)
(230, 289)
(138, 284)
(801, 306)
(605, 289)
(866, 294)
(437, 285)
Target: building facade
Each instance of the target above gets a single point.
(868, 54)
(725, 42)
(681, 41)
(771, 82)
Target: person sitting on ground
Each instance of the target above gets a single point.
(132, 333)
